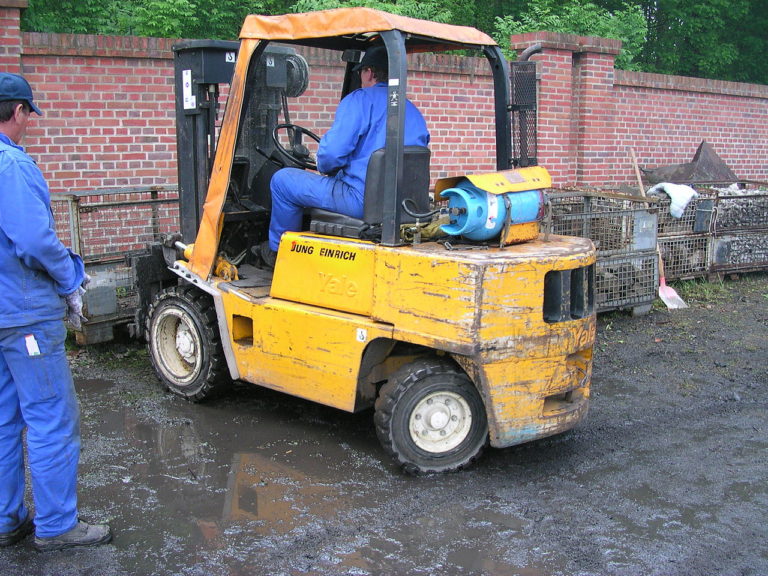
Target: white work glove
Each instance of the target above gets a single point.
(75, 308)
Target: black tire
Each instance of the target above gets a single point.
(184, 343)
(430, 417)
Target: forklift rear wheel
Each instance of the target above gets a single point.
(184, 343)
(430, 417)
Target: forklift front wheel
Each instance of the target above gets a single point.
(184, 344)
(430, 417)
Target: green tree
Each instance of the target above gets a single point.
(436, 10)
(751, 43)
(220, 19)
(584, 18)
(163, 18)
(71, 16)
(696, 38)
(723, 39)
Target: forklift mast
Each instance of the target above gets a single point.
(200, 66)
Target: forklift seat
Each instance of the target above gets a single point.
(415, 187)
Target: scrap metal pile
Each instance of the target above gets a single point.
(723, 229)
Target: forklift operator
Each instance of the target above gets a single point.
(358, 130)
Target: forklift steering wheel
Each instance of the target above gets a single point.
(298, 153)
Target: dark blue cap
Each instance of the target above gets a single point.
(375, 57)
(15, 87)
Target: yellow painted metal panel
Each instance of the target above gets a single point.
(465, 300)
(429, 294)
(524, 232)
(517, 180)
(325, 271)
(513, 295)
(533, 398)
(301, 350)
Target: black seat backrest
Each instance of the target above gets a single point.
(415, 184)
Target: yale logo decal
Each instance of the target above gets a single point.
(338, 285)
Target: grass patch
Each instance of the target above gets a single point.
(701, 290)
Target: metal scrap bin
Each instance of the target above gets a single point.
(740, 230)
(623, 229)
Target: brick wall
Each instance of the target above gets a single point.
(591, 114)
(109, 110)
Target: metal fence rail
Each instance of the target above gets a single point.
(108, 224)
(106, 227)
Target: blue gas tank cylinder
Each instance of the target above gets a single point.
(480, 215)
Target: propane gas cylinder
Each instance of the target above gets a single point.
(479, 215)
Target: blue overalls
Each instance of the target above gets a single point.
(359, 129)
(36, 387)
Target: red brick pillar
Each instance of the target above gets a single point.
(576, 108)
(10, 34)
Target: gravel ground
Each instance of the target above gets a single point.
(666, 476)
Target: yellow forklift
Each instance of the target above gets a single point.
(450, 316)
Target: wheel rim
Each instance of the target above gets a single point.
(178, 345)
(440, 422)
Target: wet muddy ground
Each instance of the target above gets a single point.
(667, 476)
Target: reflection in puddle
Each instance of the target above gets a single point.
(273, 495)
(230, 487)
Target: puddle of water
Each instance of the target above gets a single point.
(260, 483)
(261, 480)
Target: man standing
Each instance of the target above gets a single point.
(359, 129)
(40, 282)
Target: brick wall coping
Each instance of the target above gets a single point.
(14, 4)
(567, 42)
(86, 45)
(689, 84)
(43, 43)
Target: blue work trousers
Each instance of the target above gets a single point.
(36, 390)
(294, 189)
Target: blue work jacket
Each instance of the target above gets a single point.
(359, 129)
(36, 269)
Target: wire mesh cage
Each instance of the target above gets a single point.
(623, 282)
(741, 211)
(686, 256)
(740, 251)
(615, 225)
(697, 217)
(104, 225)
(623, 230)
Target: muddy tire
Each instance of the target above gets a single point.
(430, 417)
(184, 343)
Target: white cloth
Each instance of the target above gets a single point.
(680, 196)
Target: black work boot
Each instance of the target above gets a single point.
(267, 255)
(17, 535)
(82, 534)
